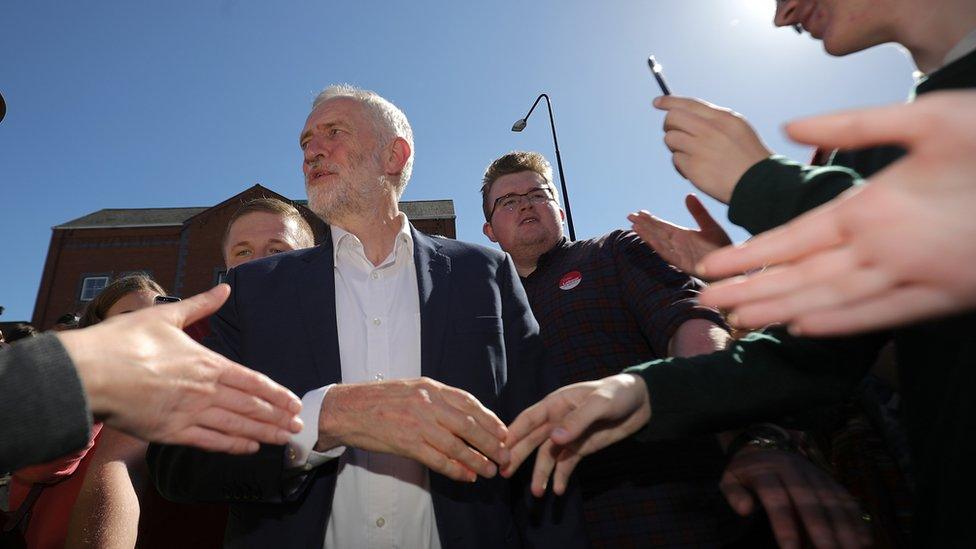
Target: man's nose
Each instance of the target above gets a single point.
(787, 12)
(314, 150)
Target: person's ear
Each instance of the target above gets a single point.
(489, 232)
(397, 155)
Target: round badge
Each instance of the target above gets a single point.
(570, 280)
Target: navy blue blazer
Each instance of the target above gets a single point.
(477, 334)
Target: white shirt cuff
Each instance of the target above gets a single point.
(299, 453)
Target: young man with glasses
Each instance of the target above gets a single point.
(774, 372)
(602, 304)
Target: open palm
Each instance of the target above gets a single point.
(680, 246)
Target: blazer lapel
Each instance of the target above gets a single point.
(315, 295)
(434, 287)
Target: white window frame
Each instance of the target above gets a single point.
(87, 283)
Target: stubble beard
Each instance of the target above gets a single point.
(351, 195)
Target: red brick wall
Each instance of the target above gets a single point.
(77, 253)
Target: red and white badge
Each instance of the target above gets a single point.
(570, 280)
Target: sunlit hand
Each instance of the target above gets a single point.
(897, 250)
(444, 428)
(712, 147)
(145, 377)
(790, 487)
(680, 246)
(573, 422)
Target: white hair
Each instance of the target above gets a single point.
(389, 122)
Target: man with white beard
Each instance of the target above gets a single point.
(411, 352)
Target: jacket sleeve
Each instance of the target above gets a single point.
(776, 190)
(660, 297)
(762, 376)
(184, 474)
(44, 412)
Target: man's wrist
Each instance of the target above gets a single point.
(330, 422)
(763, 436)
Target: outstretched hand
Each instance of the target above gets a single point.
(682, 247)
(798, 497)
(896, 250)
(573, 422)
(143, 375)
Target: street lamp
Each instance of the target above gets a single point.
(519, 125)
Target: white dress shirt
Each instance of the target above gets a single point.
(380, 500)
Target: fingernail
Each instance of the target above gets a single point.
(560, 433)
(700, 269)
(296, 424)
(657, 101)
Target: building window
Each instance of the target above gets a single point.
(221, 276)
(91, 286)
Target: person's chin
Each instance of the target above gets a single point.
(535, 235)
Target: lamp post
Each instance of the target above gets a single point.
(519, 126)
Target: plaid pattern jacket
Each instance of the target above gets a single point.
(605, 304)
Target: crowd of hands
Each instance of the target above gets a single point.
(882, 255)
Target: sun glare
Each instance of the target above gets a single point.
(755, 10)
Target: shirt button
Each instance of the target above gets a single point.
(375, 275)
(380, 522)
(377, 322)
(378, 377)
(291, 454)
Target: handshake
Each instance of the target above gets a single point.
(450, 432)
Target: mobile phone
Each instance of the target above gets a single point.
(658, 71)
(164, 299)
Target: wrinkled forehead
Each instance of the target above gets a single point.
(336, 110)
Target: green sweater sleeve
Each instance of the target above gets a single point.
(766, 374)
(762, 376)
(776, 190)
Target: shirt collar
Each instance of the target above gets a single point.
(545, 258)
(402, 244)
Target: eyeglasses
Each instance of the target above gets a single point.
(164, 299)
(512, 201)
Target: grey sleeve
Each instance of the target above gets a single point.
(43, 410)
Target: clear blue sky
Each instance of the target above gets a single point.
(117, 104)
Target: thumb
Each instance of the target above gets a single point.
(697, 210)
(199, 306)
(738, 497)
(578, 421)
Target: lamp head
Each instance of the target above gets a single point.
(519, 125)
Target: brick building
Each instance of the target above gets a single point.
(179, 247)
